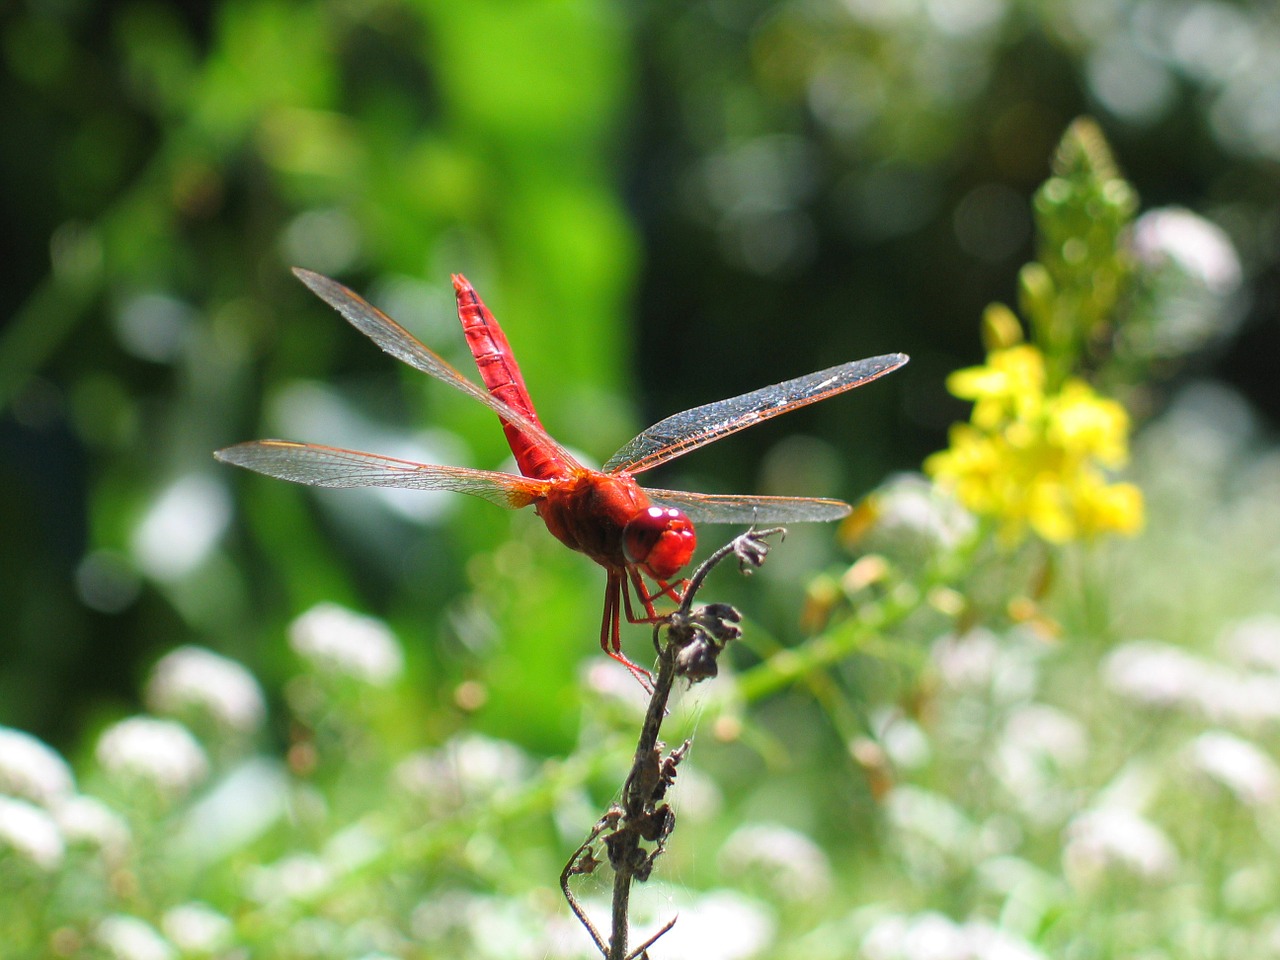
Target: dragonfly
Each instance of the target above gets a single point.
(634, 533)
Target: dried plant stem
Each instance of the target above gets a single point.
(694, 639)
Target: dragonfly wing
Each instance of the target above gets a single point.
(319, 466)
(683, 432)
(726, 508)
(401, 344)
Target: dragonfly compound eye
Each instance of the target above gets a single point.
(660, 541)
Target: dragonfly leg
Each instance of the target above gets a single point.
(674, 591)
(615, 589)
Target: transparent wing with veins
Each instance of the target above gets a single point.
(320, 466)
(721, 508)
(397, 341)
(679, 434)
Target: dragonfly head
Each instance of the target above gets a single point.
(660, 541)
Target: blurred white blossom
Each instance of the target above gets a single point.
(1159, 675)
(469, 768)
(698, 798)
(932, 936)
(1189, 271)
(197, 928)
(793, 866)
(1240, 766)
(300, 877)
(244, 803)
(32, 770)
(928, 826)
(1038, 745)
(159, 752)
(89, 821)
(192, 678)
(719, 925)
(128, 938)
(967, 661)
(979, 661)
(1106, 838)
(1253, 642)
(181, 527)
(1200, 248)
(913, 521)
(1153, 673)
(617, 686)
(901, 738)
(31, 833)
(446, 915)
(352, 848)
(489, 927)
(336, 640)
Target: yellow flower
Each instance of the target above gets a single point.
(1036, 461)
(1007, 387)
(1110, 507)
(1085, 424)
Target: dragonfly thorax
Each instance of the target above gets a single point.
(660, 541)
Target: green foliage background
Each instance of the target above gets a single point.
(664, 203)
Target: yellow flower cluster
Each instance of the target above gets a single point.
(1037, 460)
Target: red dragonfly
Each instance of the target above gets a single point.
(632, 532)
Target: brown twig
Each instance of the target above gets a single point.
(694, 639)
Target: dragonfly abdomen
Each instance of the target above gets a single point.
(501, 375)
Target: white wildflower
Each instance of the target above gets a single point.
(159, 752)
(794, 867)
(720, 925)
(337, 640)
(445, 915)
(924, 815)
(699, 798)
(1155, 674)
(1158, 675)
(469, 768)
(1240, 766)
(1049, 732)
(197, 928)
(901, 738)
(967, 661)
(181, 528)
(978, 661)
(89, 821)
(932, 936)
(128, 938)
(239, 809)
(1039, 743)
(352, 847)
(1249, 699)
(1199, 248)
(1111, 837)
(301, 877)
(310, 936)
(913, 520)
(31, 833)
(1254, 642)
(192, 678)
(617, 686)
(1135, 786)
(1189, 272)
(883, 940)
(32, 770)
(988, 942)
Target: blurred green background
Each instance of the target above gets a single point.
(664, 203)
